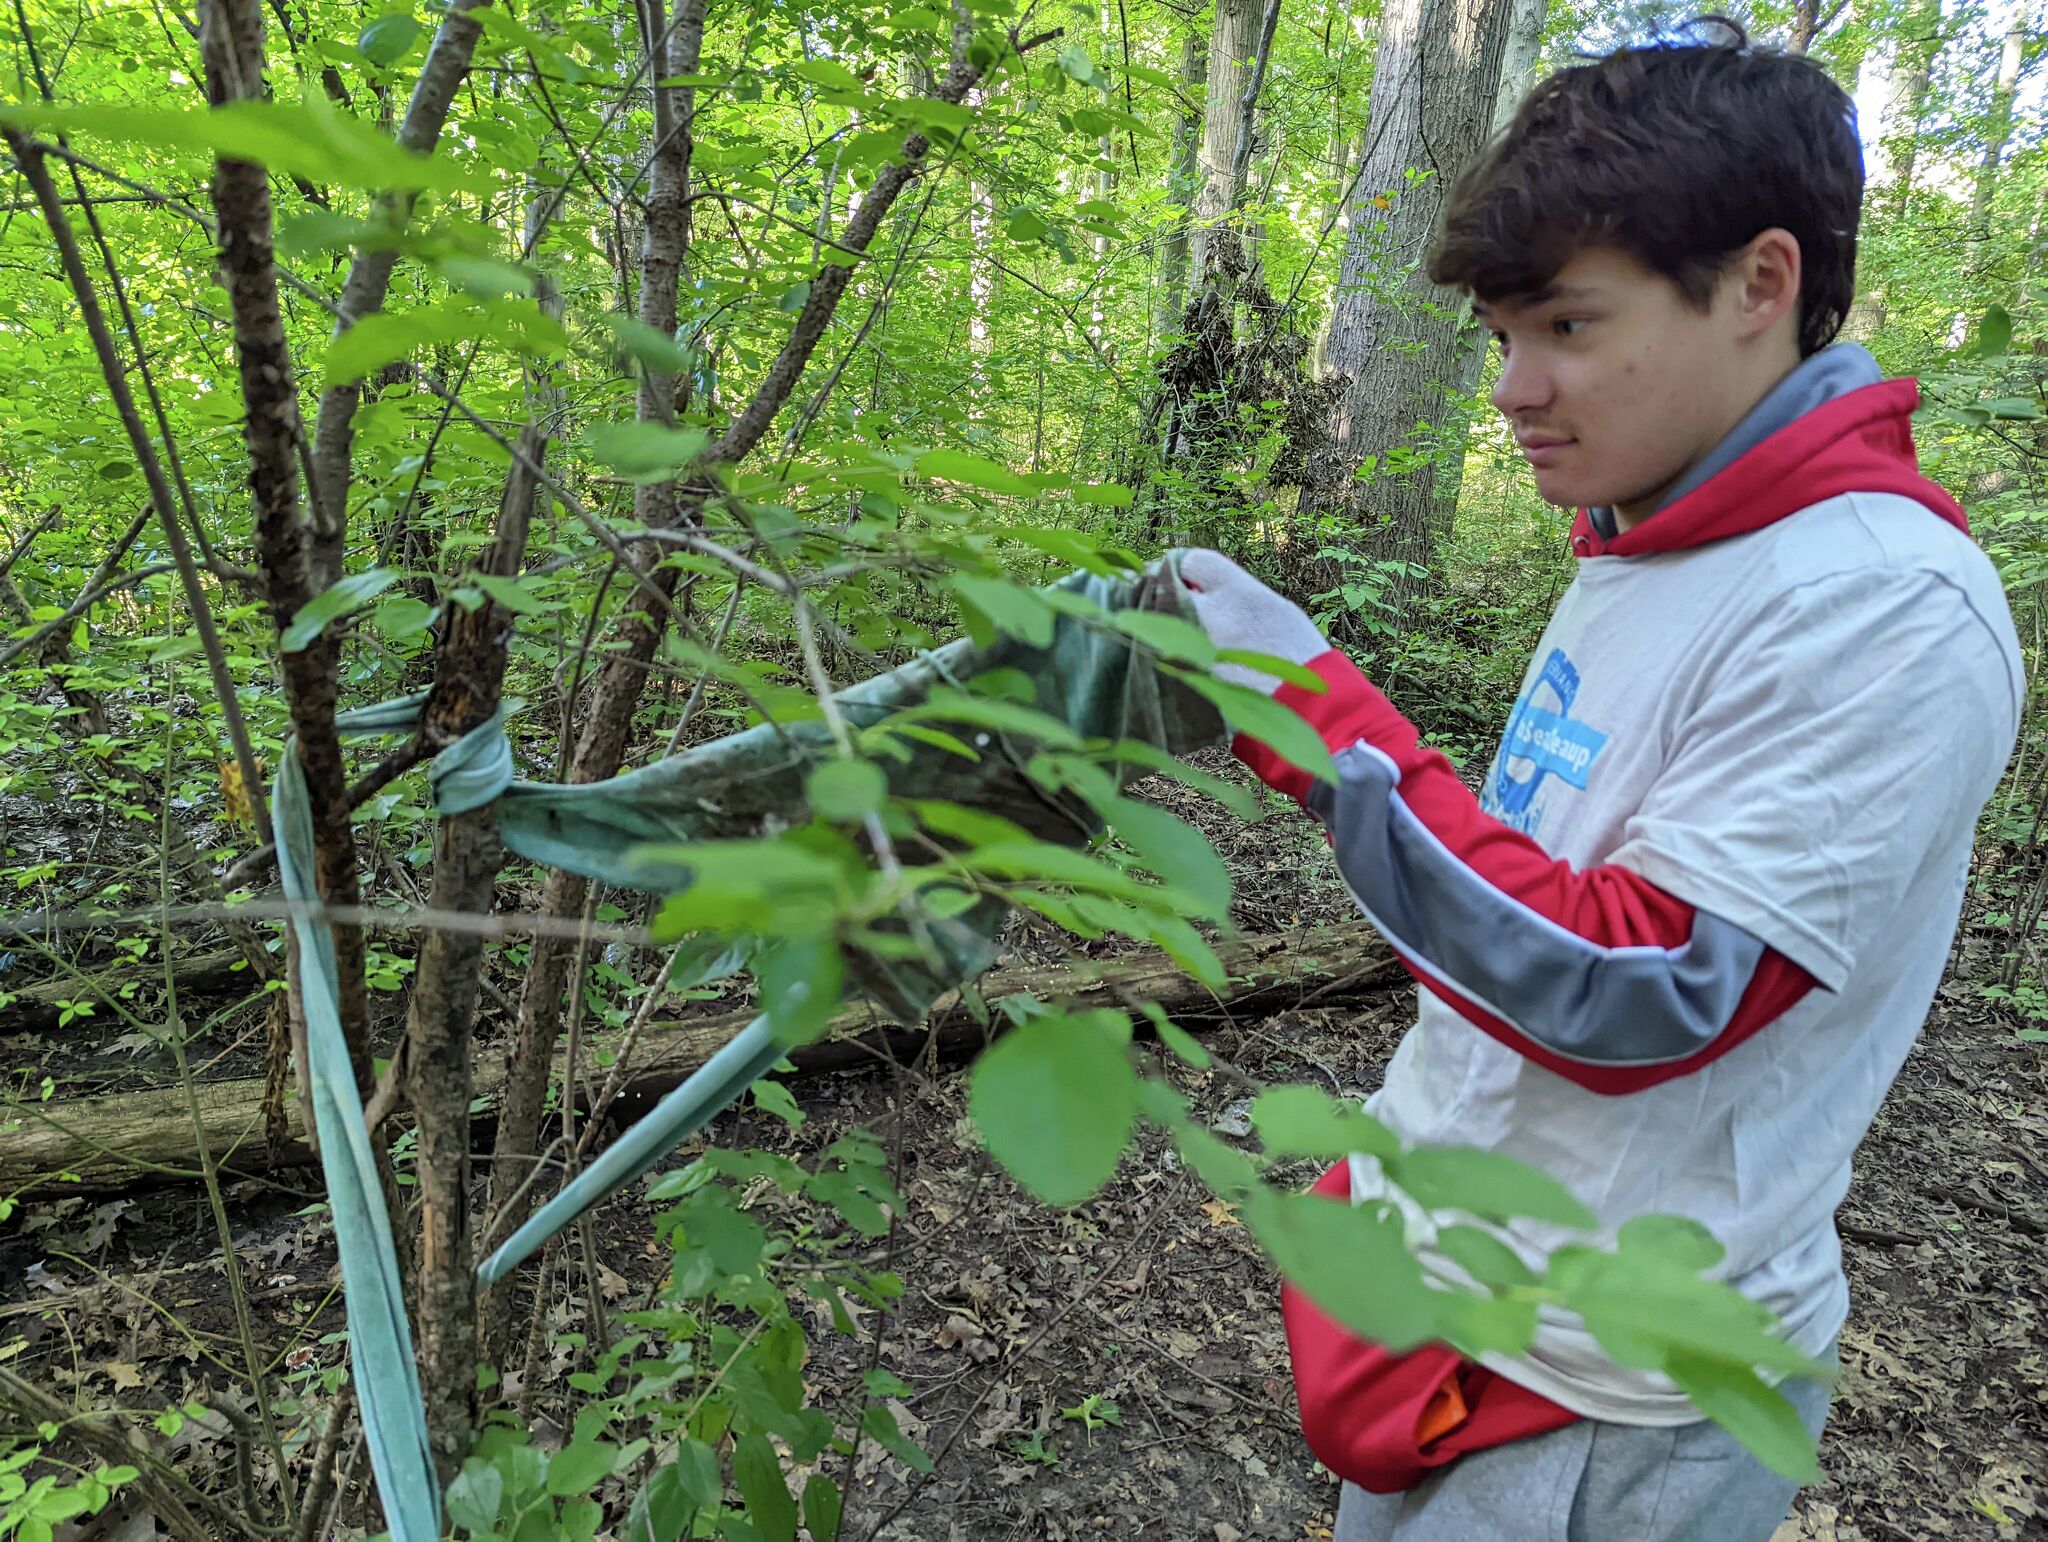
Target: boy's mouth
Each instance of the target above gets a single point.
(1540, 450)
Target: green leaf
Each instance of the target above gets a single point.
(794, 298)
(476, 1495)
(697, 1476)
(1272, 664)
(384, 338)
(579, 1520)
(1352, 1260)
(310, 138)
(1175, 850)
(1484, 1256)
(757, 1473)
(646, 453)
(116, 470)
(485, 277)
(512, 593)
(954, 706)
(1055, 1100)
(1075, 549)
(1302, 1121)
(846, 791)
(1485, 1183)
(1674, 1239)
(1108, 495)
(388, 39)
(1281, 729)
(1023, 226)
(649, 347)
(2014, 409)
(1011, 607)
(1185, 1046)
(169, 649)
(579, 1467)
(1750, 1409)
(822, 1508)
(1994, 332)
(1168, 636)
(774, 1098)
(340, 598)
(1241, 800)
(801, 980)
(403, 616)
(972, 471)
(1640, 1308)
(828, 73)
(880, 1426)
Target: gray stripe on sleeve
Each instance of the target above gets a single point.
(1627, 1006)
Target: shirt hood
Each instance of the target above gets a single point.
(1832, 426)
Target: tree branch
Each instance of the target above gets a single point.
(369, 281)
(29, 156)
(231, 44)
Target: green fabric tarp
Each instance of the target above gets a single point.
(1091, 677)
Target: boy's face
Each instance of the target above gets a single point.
(1615, 384)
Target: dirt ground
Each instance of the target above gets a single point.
(1119, 1369)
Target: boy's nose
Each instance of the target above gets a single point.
(1523, 386)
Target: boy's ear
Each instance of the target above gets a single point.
(1765, 279)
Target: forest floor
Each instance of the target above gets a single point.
(1120, 1368)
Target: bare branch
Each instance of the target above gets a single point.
(21, 547)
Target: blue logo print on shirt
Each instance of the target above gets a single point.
(1542, 740)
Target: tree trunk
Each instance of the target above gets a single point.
(131, 1138)
(1905, 105)
(1998, 129)
(1394, 336)
(1517, 76)
(1892, 158)
(1233, 47)
(1101, 185)
(1182, 183)
(601, 747)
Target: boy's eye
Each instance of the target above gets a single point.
(1568, 326)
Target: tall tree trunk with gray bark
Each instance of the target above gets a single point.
(1395, 338)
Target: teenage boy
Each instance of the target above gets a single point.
(1676, 950)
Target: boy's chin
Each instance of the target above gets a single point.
(1567, 491)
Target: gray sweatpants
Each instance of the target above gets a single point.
(1592, 1482)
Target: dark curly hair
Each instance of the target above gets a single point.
(1679, 153)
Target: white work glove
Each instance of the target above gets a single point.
(1237, 611)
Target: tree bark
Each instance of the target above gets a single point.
(1998, 128)
(136, 1138)
(1233, 47)
(231, 43)
(469, 678)
(1893, 157)
(1905, 106)
(1182, 182)
(1394, 336)
(1517, 75)
(601, 747)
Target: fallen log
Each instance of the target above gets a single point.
(39, 1006)
(120, 1140)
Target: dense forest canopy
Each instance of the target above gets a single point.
(651, 374)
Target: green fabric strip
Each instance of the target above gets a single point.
(1090, 677)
